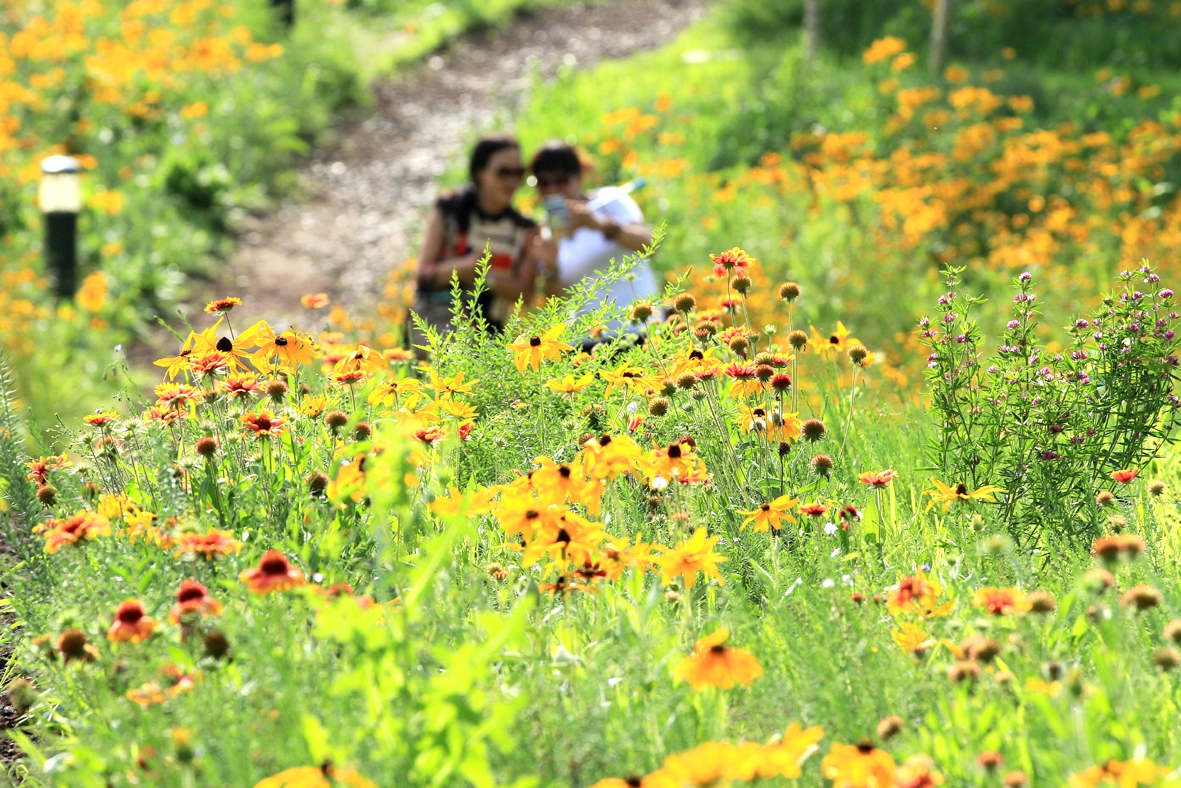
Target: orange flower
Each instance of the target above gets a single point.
(132, 623)
(1001, 601)
(207, 545)
(193, 600)
(79, 527)
(814, 509)
(273, 573)
(715, 665)
(39, 468)
(315, 300)
(222, 305)
(264, 423)
(1125, 475)
(731, 262)
(878, 478)
(100, 419)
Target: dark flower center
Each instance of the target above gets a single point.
(130, 615)
(532, 514)
(563, 537)
(274, 566)
(766, 507)
(604, 440)
(961, 489)
(281, 341)
(696, 355)
(717, 649)
(674, 451)
(865, 748)
(225, 345)
(564, 471)
(534, 342)
(190, 594)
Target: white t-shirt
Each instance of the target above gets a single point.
(587, 252)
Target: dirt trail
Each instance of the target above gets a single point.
(366, 193)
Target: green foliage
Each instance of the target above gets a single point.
(1050, 427)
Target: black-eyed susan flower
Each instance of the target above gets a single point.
(273, 573)
(325, 775)
(132, 623)
(771, 515)
(690, 557)
(569, 386)
(628, 377)
(714, 664)
(946, 495)
(530, 351)
(290, 348)
(449, 387)
(174, 365)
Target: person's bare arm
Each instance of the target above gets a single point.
(632, 236)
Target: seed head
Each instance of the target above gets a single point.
(764, 372)
(72, 643)
(789, 291)
(207, 446)
(742, 284)
(1117, 523)
(981, 649)
(989, 760)
(685, 303)
(362, 431)
(890, 727)
(335, 419)
(22, 694)
(1167, 658)
(686, 381)
(1053, 669)
(1041, 602)
(277, 389)
(46, 494)
(640, 312)
(1016, 779)
(1156, 488)
(1141, 597)
(317, 482)
(1105, 498)
(217, 645)
(813, 429)
(858, 354)
(769, 359)
(963, 671)
(740, 345)
(784, 448)
(658, 406)
(797, 339)
(1098, 580)
(822, 464)
(1173, 631)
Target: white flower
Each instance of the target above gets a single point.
(847, 579)
(835, 553)
(830, 528)
(828, 583)
(631, 407)
(659, 483)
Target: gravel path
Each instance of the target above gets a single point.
(367, 193)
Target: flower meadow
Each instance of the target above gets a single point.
(726, 554)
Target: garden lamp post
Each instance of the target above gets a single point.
(60, 198)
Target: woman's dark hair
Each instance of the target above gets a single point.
(485, 149)
(461, 202)
(556, 156)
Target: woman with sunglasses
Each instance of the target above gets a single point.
(594, 229)
(462, 223)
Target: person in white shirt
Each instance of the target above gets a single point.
(593, 230)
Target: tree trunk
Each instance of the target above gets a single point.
(811, 28)
(939, 32)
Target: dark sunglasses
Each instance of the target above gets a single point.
(546, 181)
(509, 172)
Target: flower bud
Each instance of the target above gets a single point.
(684, 303)
(789, 291)
(276, 389)
(797, 339)
(207, 446)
